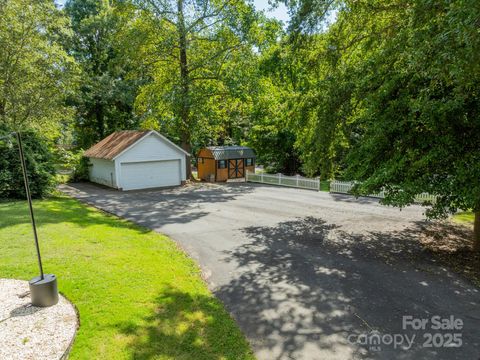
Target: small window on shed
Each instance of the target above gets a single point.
(201, 161)
(249, 162)
(222, 164)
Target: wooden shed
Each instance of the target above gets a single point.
(220, 163)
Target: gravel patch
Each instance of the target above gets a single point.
(29, 332)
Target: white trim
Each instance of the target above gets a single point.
(149, 160)
(147, 134)
(117, 174)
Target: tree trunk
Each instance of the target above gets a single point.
(184, 111)
(476, 232)
(2, 110)
(186, 145)
(100, 120)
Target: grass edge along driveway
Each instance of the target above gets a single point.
(139, 296)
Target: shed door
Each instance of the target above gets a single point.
(236, 169)
(150, 174)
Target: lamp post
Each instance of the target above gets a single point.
(43, 288)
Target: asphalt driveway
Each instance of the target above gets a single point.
(311, 275)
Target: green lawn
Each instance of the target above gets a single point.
(325, 185)
(138, 295)
(464, 217)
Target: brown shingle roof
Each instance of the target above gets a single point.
(114, 144)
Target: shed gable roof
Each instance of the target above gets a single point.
(118, 142)
(231, 152)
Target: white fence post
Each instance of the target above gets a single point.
(279, 179)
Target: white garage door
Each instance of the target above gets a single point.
(150, 174)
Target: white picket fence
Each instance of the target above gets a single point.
(344, 187)
(283, 180)
(425, 197)
(336, 186)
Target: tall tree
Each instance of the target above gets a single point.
(272, 132)
(187, 50)
(419, 131)
(412, 108)
(35, 71)
(105, 100)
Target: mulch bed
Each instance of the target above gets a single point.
(451, 245)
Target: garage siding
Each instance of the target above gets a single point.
(152, 148)
(102, 171)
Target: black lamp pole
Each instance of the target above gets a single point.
(29, 198)
(43, 288)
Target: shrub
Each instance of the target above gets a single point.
(80, 167)
(39, 161)
(71, 164)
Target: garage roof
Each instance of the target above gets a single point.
(231, 152)
(119, 141)
(114, 144)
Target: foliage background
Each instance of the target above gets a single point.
(39, 162)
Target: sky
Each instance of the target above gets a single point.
(279, 13)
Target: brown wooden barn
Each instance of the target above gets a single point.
(220, 163)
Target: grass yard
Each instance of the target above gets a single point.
(138, 295)
(464, 218)
(325, 185)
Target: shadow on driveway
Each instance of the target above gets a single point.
(305, 286)
(154, 208)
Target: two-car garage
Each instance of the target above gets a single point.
(129, 160)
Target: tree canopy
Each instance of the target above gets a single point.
(105, 99)
(393, 99)
(36, 73)
(199, 59)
